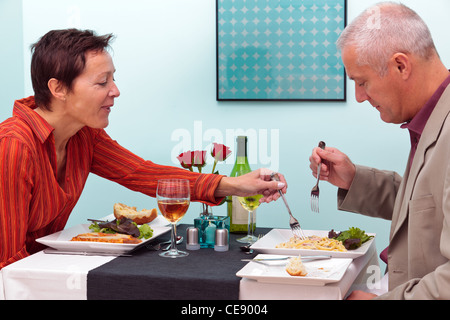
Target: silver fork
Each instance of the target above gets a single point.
(315, 189)
(295, 226)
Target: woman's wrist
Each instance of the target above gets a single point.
(225, 188)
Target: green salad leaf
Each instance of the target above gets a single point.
(94, 227)
(145, 231)
(352, 238)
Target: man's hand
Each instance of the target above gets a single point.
(336, 167)
(250, 184)
(361, 295)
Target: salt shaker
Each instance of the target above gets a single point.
(221, 240)
(192, 239)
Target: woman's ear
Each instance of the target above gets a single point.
(57, 89)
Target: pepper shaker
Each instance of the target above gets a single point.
(221, 240)
(192, 239)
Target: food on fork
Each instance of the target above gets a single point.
(140, 217)
(295, 267)
(106, 237)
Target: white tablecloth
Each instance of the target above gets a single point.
(49, 276)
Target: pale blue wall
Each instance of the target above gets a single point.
(11, 55)
(165, 60)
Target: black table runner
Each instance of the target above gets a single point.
(205, 274)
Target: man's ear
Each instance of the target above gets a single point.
(402, 64)
(57, 88)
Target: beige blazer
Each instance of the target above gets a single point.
(419, 207)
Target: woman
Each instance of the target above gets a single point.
(56, 138)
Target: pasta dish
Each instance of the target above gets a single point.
(314, 243)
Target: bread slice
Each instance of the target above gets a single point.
(295, 267)
(140, 217)
(106, 237)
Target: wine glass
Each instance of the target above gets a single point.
(173, 198)
(250, 204)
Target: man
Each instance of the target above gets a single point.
(389, 52)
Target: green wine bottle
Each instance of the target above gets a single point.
(238, 215)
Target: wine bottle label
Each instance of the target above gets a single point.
(239, 214)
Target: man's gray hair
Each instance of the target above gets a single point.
(385, 29)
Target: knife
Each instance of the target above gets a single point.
(285, 258)
(83, 253)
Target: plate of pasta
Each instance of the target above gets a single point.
(282, 241)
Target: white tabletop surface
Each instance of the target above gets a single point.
(49, 276)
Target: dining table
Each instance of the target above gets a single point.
(205, 274)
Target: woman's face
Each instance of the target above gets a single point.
(93, 91)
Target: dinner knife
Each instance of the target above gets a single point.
(83, 253)
(285, 258)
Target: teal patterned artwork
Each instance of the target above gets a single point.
(280, 50)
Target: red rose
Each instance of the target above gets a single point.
(199, 159)
(220, 152)
(186, 159)
(190, 159)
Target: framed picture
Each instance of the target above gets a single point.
(280, 50)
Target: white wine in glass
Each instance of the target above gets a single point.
(250, 204)
(173, 196)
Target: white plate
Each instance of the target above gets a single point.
(61, 240)
(276, 236)
(320, 272)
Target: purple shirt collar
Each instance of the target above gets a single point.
(417, 124)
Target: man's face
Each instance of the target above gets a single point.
(383, 93)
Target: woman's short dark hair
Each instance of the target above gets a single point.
(61, 54)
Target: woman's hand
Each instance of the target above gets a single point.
(250, 184)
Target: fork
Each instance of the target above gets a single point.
(315, 189)
(295, 226)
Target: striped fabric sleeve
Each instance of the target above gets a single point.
(15, 196)
(118, 164)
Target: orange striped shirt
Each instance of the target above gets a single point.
(32, 202)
